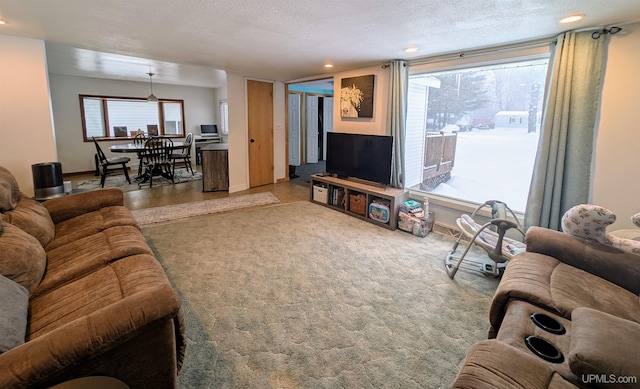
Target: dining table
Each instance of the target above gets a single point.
(139, 148)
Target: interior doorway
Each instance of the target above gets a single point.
(260, 123)
(310, 117)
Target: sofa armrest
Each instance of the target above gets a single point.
(63, 352)
(609, 263)
(67, 207)
(605, 346)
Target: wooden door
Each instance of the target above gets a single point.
(260, 121)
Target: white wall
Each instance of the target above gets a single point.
(200, 107)
(26, 126)
(617, 159)
(377, 125)
(239, 132)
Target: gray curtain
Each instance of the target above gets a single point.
(396, 117)
(562, 170)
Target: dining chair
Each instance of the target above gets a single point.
(106, 163)
(157, 159)
(184, 155)
(139, 140)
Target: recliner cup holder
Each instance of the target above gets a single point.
(544, 349)
(548, 323)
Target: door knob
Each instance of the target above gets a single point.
(252, 140)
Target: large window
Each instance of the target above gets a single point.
(120, 117)
(472, 133)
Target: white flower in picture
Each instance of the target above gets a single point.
(350, 99)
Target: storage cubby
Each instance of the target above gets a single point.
(354, 198)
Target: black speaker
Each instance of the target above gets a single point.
(47, 180)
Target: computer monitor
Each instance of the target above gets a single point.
(208, 129)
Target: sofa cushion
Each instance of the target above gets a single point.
(547, 282)
(75, 259)
(14, 305)
(9, 191)
(492, 364)
(604, 345)
(98, 289)
(91, 223)
(33, 218)
(22, 258)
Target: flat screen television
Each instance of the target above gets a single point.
(208, 129)
(365, 157)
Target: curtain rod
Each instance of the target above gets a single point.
(612, 30)
(386, 65)
(478, 52)
(501, 49)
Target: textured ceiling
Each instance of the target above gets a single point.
(185, 41)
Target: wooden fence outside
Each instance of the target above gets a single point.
(439, 158)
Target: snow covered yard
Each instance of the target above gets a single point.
(493, 164)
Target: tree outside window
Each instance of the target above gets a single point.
(487, 119)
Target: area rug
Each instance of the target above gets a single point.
(180, 211)
(301, 296)
(119, 181)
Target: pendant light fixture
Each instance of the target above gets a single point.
(152, 98)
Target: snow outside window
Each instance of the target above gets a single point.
(472, 134)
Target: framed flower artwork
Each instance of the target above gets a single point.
(356, 97)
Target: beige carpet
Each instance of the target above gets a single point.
(301, 296)
(196, 208)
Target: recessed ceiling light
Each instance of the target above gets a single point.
(2, 22)
(410, 49)
(328, 65)
(572, 18)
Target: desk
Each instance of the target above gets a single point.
(202, 141)
(215, 167)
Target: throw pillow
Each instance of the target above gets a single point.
(22, 258)
(33, 218)
(9, 191)
(14, 305)
(590, 222)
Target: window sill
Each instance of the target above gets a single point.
(453, 208)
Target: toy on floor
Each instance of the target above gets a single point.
(491, 237)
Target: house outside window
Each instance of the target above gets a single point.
(472, 133)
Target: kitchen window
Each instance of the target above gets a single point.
(107, 117)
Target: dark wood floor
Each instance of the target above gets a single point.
(192, 191)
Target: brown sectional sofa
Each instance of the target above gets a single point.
(99, 303)
(585, 297)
